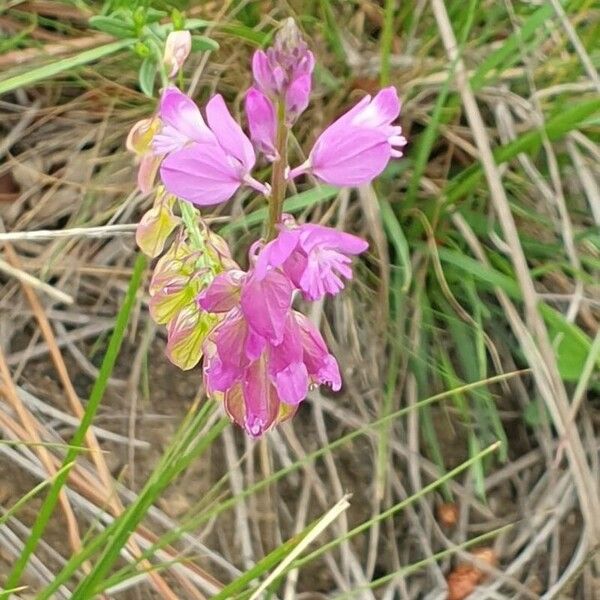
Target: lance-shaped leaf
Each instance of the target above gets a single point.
(156, 226)
(186, 334)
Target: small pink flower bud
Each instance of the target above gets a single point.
(283, 72)
(261, 122)
(177, 49)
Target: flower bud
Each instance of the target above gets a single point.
(177, 49)
(283, 73)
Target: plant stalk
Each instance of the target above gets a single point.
(278, 182)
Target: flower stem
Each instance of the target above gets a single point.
(189, 216)
(278, 182)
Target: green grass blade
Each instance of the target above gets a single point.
(555, 128)
(44, 72)
(96, 396)
(122, 527)
(397, 507)
(387, 35)
(32, 493)
(226, 504)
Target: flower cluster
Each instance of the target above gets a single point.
(261, 356)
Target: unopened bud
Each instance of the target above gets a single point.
(177, 49)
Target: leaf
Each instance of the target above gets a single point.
(202, 43)
(256, 38)
(117, 27)
(186, 335)
(154, 228)
(571, 344)
(196, 24)
(152, 15)
(398, 240)
(46, 71)
(147, 74)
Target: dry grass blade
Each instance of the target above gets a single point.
(542, 359)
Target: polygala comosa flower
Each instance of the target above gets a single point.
(261, 355)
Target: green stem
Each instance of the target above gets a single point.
(278, 182)
(190, 222)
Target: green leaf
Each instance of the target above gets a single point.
(482, 273)
(571, 344)
(117, 27)
(256, 38)
(195, 24)
(32, 76)
(398, 240)
(201, 43)
(147, 75)
(152, 15)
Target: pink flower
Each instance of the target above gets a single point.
(261, 122)
(315, 258)
(263, 356)
(254, 386)
(284, 71)
(205, 164)
(356, 148)
(177, 49)
(263, 303)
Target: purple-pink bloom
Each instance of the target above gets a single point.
(283, 73)
(205, 164)
(315, 258)
(263, 356)
(356, 148)
(261, 122)
(264, 303)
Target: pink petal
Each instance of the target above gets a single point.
(297, 97)
(182, 123)
(260, 400)
(265, 304)
(255, 344)
(381, 111)
(261, 122)
(229, 338)
(349, 158)
(201, 174)
(312, 236)
(261, 70)
(348, 117)
(219, 377)
(292, 383)
(320, 364)
(223, 293)
(229, 134)
(289, 351)
(276, 252)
